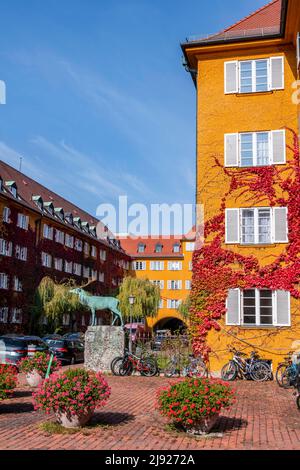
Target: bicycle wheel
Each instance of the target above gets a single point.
(281, 369)
(197, 369)
(287, 379)
(115, 365)
(125, 368)
(260, 372)
(229, 372)
(171, 370)
(149, 368)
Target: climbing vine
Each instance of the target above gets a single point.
(216, 269)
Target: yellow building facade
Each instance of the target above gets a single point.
(246, 81)
(167, 262)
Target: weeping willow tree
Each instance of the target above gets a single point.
(147, 297)
(55, 300)
(184, 308)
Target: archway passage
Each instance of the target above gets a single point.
(172, 324)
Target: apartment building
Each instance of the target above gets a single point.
(167, 262)
(247, 108)
(42, 234)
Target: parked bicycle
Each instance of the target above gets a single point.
(196, 367)
(239, 367)
(127, 364)
(287, 372)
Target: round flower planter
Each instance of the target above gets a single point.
(34, 378)
(73, 421)
(202, 426)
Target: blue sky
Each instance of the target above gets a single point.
(98, 104)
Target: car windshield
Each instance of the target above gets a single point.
(11, 342)
(54, 343)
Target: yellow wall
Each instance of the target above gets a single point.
(165, 275)
(219, 114)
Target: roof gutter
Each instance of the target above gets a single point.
(203, 43)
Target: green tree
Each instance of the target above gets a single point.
(147, 297)
(55, 300)
(184, 308)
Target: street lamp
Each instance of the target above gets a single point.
(131, 302)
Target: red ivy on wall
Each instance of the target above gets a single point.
(217, 269)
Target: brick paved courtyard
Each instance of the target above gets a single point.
(264, 417)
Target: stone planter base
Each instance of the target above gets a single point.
(34, 378)
(202, 426)
(73, 421)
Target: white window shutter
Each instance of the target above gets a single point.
(169, 285)
(162, 265)
(233, 306)
(179, 284)
(278, 147)
(282, 314)
(144, 265)
(231, 149)
(280, 225)
(232, 226)
(277, 73)
(152, 265)
(231, 77)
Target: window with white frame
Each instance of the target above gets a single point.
(158, 248)
(16, 316)
(78, 245)
(173, 304)
(3, 314)
(66, 319)
(176, 248)
(157, 265)
(23, 221)
(254, 226)
(101, 277)
(5, 247)
(190, 265)
(139, 265)
(188, 285)
(6, 215)
(160, 284)
(46, 260)
(174, 265)
(161, 303)
(94, 251)
(94, 275)
(250, 149)
(254, 76)
(69, 267)
(141, 248)
(77, 268)
(190, 246)
(3, 281)
(258, 308)
(69, 240)
(86, 272)
(13, 191)
(174, 285)
(48, 232)
(59, 237)
(103, 255)
(86, 249)
(21, 253)
(58, 264)
(17, 285)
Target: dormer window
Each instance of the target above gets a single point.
(141, 248)
(69, 218)
(49, 207)
(93, 231)
(11, 185)
(158, 248)
(59, 212)
(38, 201)
(85, 226)
(1, 184)
(176, 248)
(77, 222)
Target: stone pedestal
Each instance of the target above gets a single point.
(102, 345)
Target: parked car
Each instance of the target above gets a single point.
(49, 337)
(160, 336)
(15, 348)
(66, 350)
(75, 336)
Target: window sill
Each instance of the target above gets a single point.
(256, 93)
(262, 327)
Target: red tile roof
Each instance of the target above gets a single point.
(266, 17)
(131, 246)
